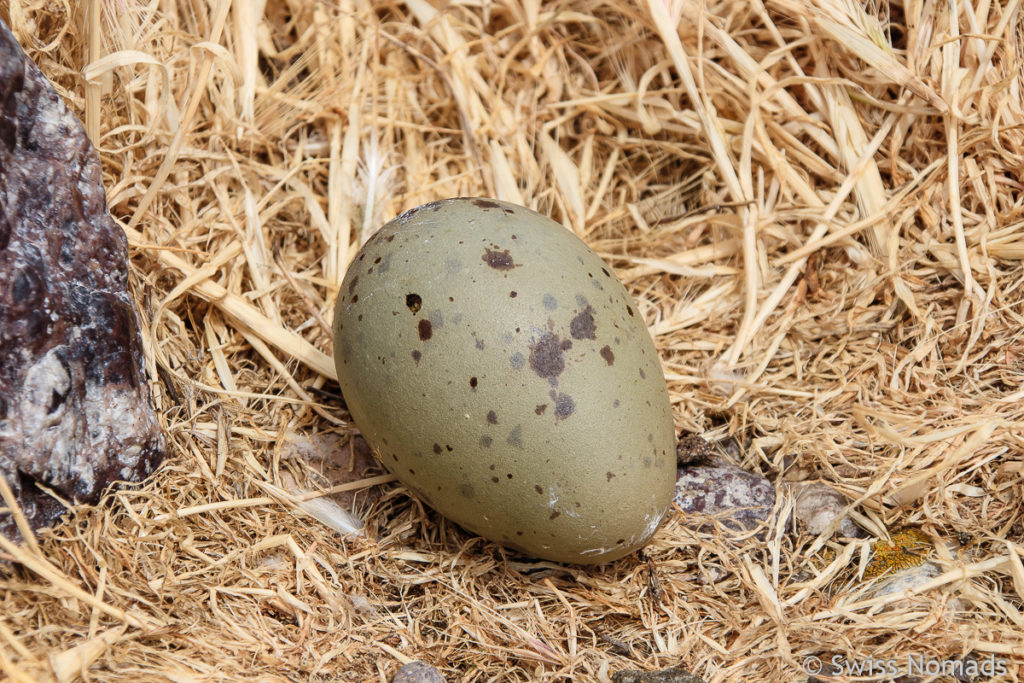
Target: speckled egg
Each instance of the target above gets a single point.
(502, 372)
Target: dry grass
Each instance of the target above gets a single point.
(817, 205)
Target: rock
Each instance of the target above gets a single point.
(418, 672)
(902, 563)
(673, 675)
(707, 484)
(74, 403)
(906, 579)
(816, 505)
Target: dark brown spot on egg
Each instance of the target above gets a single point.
(437, 448)
(499, 260)
(554, 514)
(609, 476)
(492, 417)
(473, 382)
(582, 326)
(425, 330)
(541, 408)
(414, 302)
(486, 441)
(485, 204)
(513, 294)
(629, 309)
(606, 273)
(355, 298)
(643, 375)
(546, 357)
(416, 355)
(352, 285)
(607, 354)
(389, 238)
(538, 489)
(494, 479)
(450, 449)
(509, 475)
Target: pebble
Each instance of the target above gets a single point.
(672, 675)
(418, 672)
(708, 484)
(816, 506)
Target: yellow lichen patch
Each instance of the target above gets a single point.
(907, 548)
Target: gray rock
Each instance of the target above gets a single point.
(816, 506)
(418, 672)
(740, 500)
(673, 675)
(74, 403)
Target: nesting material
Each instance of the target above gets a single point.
(815, 204)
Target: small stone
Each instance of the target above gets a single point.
(910, 579)
(672, 675)
(900, 564)
(418, 672)
(75, 414)
(816, 506)
(905, 579)
(740, 500)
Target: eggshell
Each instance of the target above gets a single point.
(502, 372)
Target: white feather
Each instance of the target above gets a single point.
(331, 514)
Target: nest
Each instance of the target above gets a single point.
(816, 204)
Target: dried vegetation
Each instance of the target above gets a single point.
(817, 205)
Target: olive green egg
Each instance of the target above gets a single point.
(502, 372)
